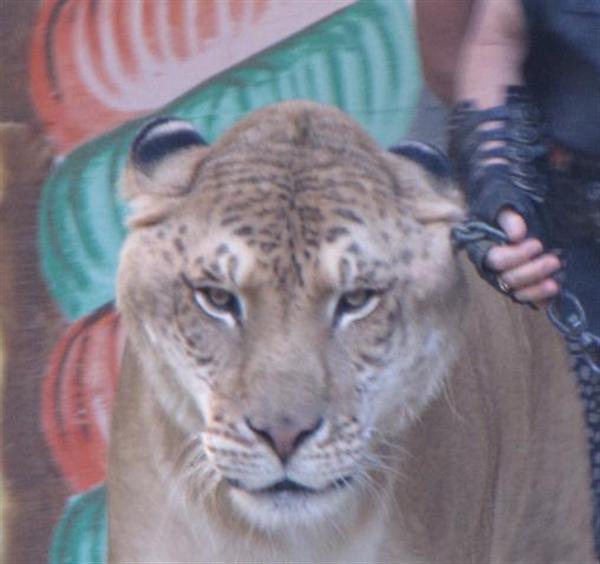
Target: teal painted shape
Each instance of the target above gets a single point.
(81, 535)
(363, 60)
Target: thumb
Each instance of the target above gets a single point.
(513, 225)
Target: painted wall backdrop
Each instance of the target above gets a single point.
(80, 77)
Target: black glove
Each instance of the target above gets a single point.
(511, 174)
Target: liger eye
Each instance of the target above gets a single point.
(356, 298)
(356, 302)
(218, 297)
(217, 301)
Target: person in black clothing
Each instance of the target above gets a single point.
(524, 76)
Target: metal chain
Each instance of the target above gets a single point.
(565, 311)
(568, 316)
(472, 230)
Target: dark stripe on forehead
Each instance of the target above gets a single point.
(230, 219)
(348, 214)
(297, 269)
(244, 231)
(335, 233)
(310, 213)
(229, 164)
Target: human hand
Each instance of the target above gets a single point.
(522, 265)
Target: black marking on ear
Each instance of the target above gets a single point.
(161, 137)
(428, 156)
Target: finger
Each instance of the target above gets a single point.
(532, 272)
(513, 225)
(538, 294)
(505, 257)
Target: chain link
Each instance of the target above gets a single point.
(565, 311)
(473, 230)
(568, 316)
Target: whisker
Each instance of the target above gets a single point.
(370, 487)
(447, 393)
(382, 439)
(376, 464)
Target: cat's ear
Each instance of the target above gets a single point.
(160, 169)
(434, 198)
(434, 161)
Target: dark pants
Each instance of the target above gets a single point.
(570, 216)
(572, 223)
(583, 278)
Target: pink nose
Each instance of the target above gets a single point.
(285, 434)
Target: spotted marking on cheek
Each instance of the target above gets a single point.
(203, 360)
(407, 256)
(189, 332)
(191, 336)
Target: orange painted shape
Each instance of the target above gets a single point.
(207, 21)
(120, 13)
(77, 396)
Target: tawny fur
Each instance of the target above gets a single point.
(450, 410)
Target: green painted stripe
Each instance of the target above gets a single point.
(81, 534)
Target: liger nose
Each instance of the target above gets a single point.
(285, 434)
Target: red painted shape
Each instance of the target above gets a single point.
(77, 396)
(69, 114)
(120, 13)
(177, 21)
